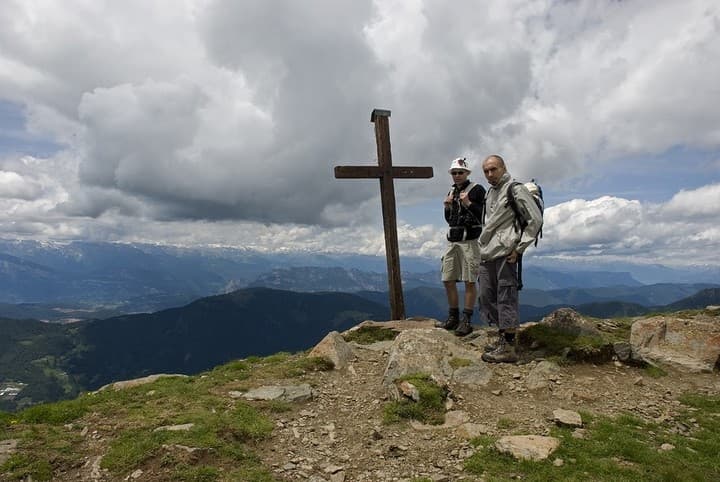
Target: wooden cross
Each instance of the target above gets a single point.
(386, 173)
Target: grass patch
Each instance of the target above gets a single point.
(504, 423)
(189, 473)
(25, 467)
(223, 428)
(130, 449)
(311, 364)
(54, 413)
(367, 335)
(6, 419)
(559, 343)
(430, 409)
(622, 448)
(654, 371)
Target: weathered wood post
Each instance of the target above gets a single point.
(386, 173)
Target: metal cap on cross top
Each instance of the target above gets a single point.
(385, 172)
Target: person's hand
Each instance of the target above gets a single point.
(465, 199)
(448, 200)
(512, 257)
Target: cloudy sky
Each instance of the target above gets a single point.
(218, 122)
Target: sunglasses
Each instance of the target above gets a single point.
(458, 173)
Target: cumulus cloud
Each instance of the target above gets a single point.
(13, 185)
(204, 118)
(683, 230)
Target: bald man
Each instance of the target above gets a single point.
(502, 242)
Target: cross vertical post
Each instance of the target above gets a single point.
(387, 196)
(385, 172)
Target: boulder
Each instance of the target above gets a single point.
(567, 418)
(691, 344)
(419, 351)
(286, 393)
(122, 385)
(334, 348)
(570, 321)
(527, 447)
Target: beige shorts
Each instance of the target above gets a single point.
(461, 261)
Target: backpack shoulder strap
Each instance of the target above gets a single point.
(511, 199)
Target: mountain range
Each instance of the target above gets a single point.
(59, 360)
(84, 280)
(56, 361)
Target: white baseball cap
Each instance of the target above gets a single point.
(459, 163)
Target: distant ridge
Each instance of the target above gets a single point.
(60, 360)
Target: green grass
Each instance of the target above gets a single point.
(26, 467)
(559, 343)
(654, 371)
(366, 335)
(622, 448)
(224, 429)
(430, 409)
(54, 413)
(504, 423)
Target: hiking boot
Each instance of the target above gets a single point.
(492, 345)
(464, 327)
(504, 353)
(450, 324)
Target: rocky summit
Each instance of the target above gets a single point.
(332, 425)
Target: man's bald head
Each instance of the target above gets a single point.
(494, 167)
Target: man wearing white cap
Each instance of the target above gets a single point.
(464, 206)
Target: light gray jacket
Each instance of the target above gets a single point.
(501, 234)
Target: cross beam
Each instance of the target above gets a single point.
(386, 173)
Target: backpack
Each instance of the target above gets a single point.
(537, 195)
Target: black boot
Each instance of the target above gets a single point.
(452, 321)
(464, 327)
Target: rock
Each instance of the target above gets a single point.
(175, 428)
(287, 393)
(689, 344)
(570, 321)
(332, 469)
(455, 418)
(475, 375)
(625, 353)
(567, 418)
(334, 348)
(471, 430)
(337, 477)
(667, 447)
(138, 381)
(409, 390)
(528, 447)
(419, 351)
(541, 375)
